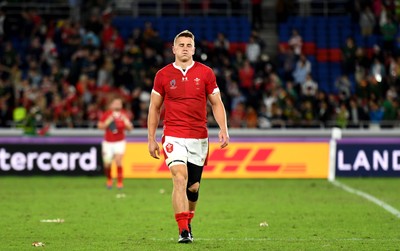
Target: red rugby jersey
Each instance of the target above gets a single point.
(120, 125)
(185, 98)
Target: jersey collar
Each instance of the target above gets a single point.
(180, 68)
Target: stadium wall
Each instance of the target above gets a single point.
(251, 154)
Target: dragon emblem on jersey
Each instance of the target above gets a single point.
(169, 147)
(172, 84)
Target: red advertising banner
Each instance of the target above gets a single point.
(241, 160)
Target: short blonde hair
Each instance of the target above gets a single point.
(185, 33)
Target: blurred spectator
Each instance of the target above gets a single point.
(263, 119)
(91, 40)
(390, 105)
(296, 42)
(307, 113)
(30, 122)
(357, 114)
(290, 113)
(49, 53)
(105, 73)
(381, 13)
(251, 118)
(302, 69)
(389, 31)
(361, 65)
(377, 71)
(367, 21)
(349, 53)
(253, 50)
(237, 116)
(276, 116)
(221, 45)
(323, 113)
(290, 90)
(309, 88)
(342, 116)
(156, 42)
(89, 64)
(4, 26)
(343, 87)
(5, 113)
(246, 77)
(8, 59)
(375, 112)
(289, 60)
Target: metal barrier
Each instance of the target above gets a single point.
(234, 133)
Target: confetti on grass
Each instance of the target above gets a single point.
(52, 220)
(38, 244)
(120, 195)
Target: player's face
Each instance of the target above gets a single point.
(183, 49)
(116, 105)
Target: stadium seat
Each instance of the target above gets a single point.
(309, 48)
(335, 55)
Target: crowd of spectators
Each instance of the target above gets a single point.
(366, 92)
(62, 72)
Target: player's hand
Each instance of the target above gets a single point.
(108, 121)
(154, 149)
(223, 138)
(127, 122)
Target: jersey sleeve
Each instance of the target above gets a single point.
(104, 116)
(211, 84)
(158, 86)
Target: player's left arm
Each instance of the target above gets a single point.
(127, 122)
(218, 109)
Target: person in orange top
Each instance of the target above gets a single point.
(114, 122)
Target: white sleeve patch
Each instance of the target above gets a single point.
(153, 91)
(216, 90)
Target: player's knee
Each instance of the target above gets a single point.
(106, 164)
(192, 192)
(179, 181)
(194, 188)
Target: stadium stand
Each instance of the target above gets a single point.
(58, 71)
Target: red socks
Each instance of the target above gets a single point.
(107, 172)
(182, 220)
(191, 215)
(120, 174)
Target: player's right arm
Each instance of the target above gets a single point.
(104, 122)
(156, 101)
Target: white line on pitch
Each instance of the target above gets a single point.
(368, 197)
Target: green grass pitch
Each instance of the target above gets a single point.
(301, 214)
